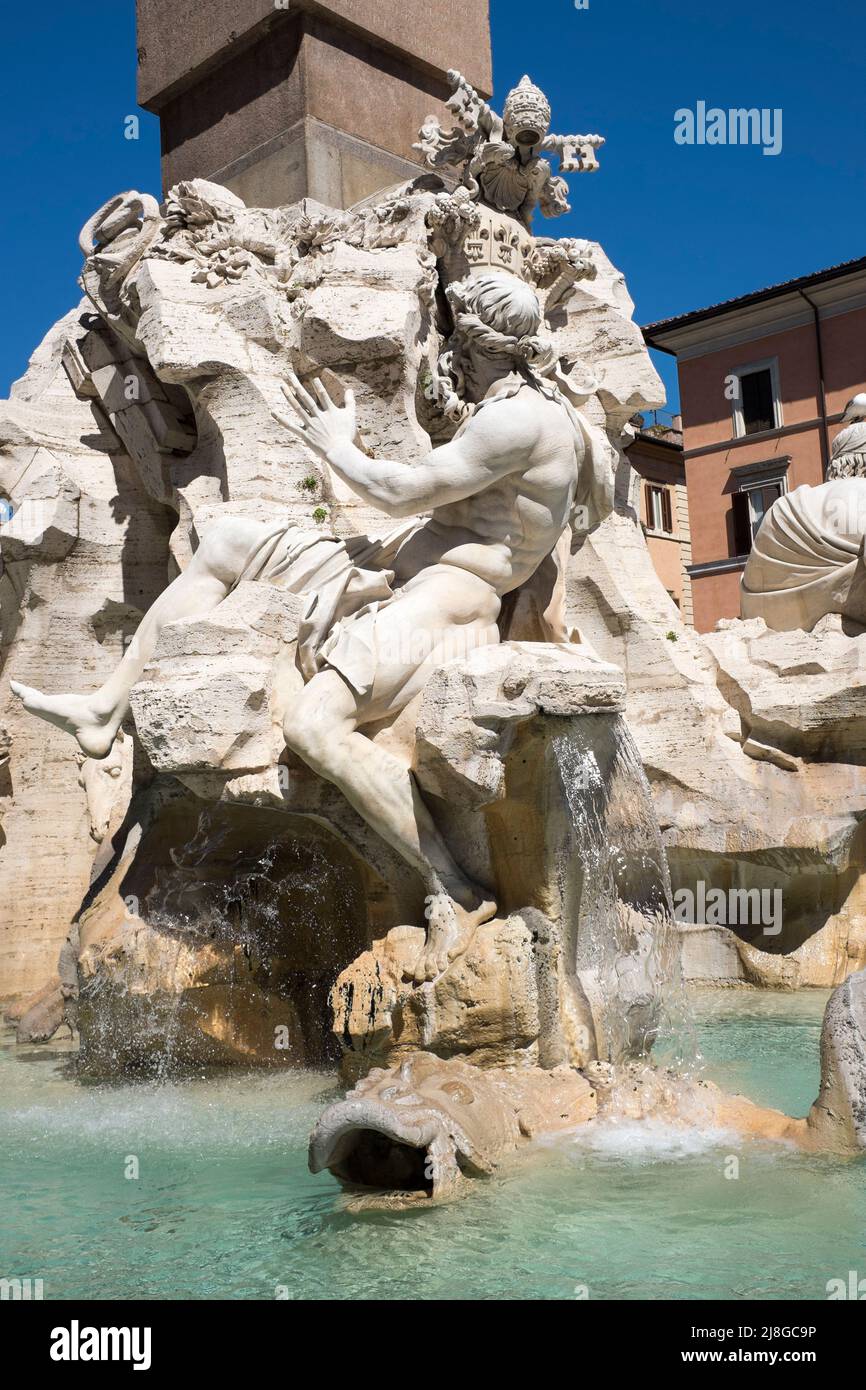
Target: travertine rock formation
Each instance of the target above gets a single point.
(799, 694)
(146, 418)
(838, 1116)
(507, 744)
(202, 310)
(738, 809)
(424, 1129)
(85, 552)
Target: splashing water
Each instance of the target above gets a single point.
(622, 939)
(238, 932)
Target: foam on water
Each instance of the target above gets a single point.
(217, 1111)
(651, 1140)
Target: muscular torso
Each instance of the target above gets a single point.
(502, 534)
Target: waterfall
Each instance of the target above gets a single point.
(620, 937)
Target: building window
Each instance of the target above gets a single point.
(758, 410)
(658, 509)
(750, 505)
(757, 404)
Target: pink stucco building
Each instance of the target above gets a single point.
(657, 457)
(764, 380)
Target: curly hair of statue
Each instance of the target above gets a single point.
(499, 316)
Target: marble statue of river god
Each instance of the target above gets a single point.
(383, 614)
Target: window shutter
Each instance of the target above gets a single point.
(742, 523)
(667, 520)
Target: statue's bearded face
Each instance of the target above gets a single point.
(494, 317)
(480, 369)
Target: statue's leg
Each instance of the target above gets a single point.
(323, 728)
(94, 719)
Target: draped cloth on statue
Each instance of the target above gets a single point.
(849, 452)
(342, 579)
(807, 557)
(348, 581)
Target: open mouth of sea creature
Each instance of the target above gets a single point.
(387, 1158)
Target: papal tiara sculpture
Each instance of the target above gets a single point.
(501, 158)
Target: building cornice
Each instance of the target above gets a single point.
(737, 441)
(731, 562)
(648, 444)
(775, 310)
(778, 462)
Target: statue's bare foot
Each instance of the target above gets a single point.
(450, 928)
(76, 714)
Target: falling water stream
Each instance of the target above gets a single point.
(259, 925)
(623, 938)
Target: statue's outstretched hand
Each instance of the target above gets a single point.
(317, 421)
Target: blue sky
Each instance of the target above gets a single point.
(688, 225)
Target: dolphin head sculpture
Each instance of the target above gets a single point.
(412, 1133)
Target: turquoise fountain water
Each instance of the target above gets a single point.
(224, 1207)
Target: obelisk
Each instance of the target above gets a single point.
(282, 99)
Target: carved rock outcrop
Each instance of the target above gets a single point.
(84, 552)
(798, 694)
(512, 749)
(507, 746)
